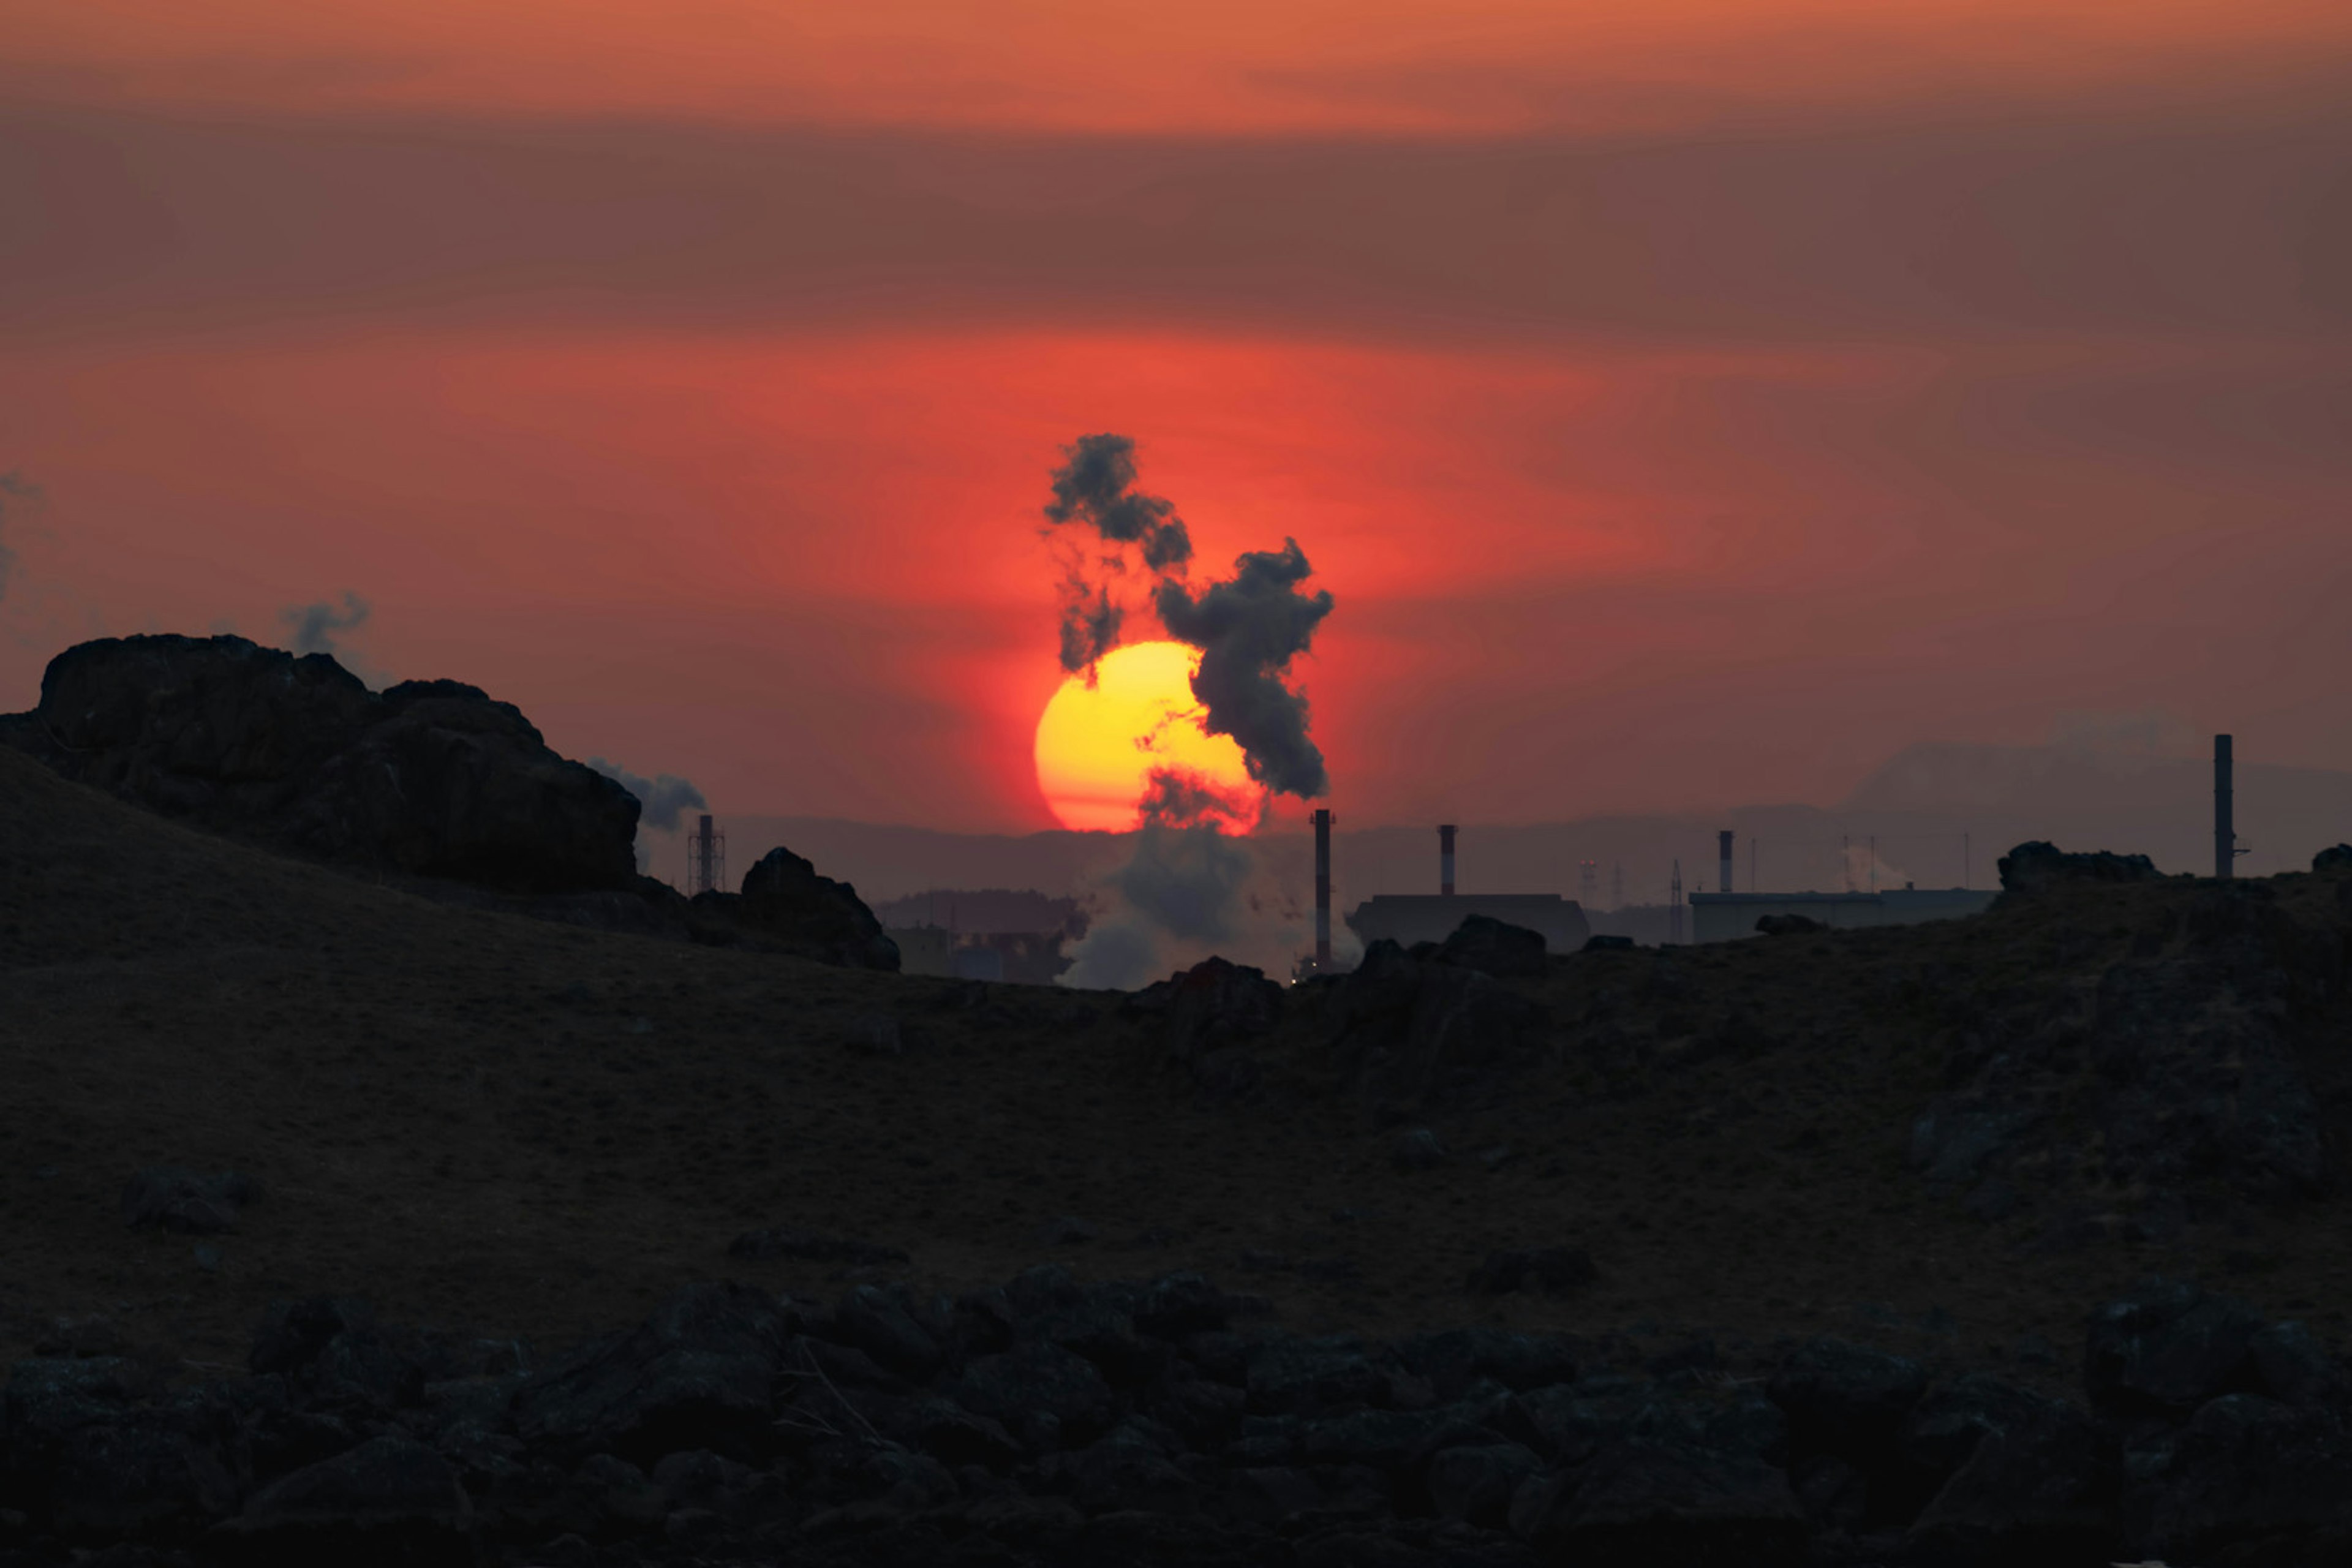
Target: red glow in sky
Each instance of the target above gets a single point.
(1685, 403)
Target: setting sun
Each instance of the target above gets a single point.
(1098, 745)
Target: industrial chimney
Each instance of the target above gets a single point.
(1722, 854)
(2225, 829)
(1322, 889)
(1445, 859)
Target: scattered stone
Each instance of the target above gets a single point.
(166, 1197)
(809, 1247)
(1604, 943)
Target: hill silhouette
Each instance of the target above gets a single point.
(1946, 1142)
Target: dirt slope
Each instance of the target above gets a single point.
(487, 1122)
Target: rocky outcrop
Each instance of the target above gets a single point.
(1212, 1015)
(2176, 1049)
(786, 907)
(2037, 866)
(430, 778)
(1051, 1422)
(1407, 1028)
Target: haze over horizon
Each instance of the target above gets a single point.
(1683, 408)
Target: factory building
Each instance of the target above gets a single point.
(1409, 918)
(1727, 917)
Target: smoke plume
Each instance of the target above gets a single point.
(1188, 891)
(1094, 489)
(664, 797)
(1248, 629)
(315, 625)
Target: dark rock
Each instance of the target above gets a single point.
(156, 1470)
(79, 1337)
(1607, 944)
(2036, 866)
(1126, 1469)
(1642, 1502)
(334, 1354)
(390, 1500)
(2167, 1348)
(874, 1322)
(1410, 1028)
(166, 1197)
(787, 905)
(1205, 1413)
(2034, 1485)
(2247, 1481)
(953, 1435)
(2293, 1367)
(1215, 1004)
(1453, 1358)
(1845, 1400)
(1289, 1377)
(1552, 1269)
(431, 778)
(1476, 1484)
(1031, 1379)
(809, 1247)
(1788, 925)
(698, 1373)
(1179, 1304)
(2332, 861)
(1492, 947)
(624, 1496)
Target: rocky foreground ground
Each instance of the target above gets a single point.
(327, 1196)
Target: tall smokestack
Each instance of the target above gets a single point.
(1322, 887)
(1445, 859)
(1722, 855)
(2225, 829)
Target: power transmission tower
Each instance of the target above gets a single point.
(1675, 908)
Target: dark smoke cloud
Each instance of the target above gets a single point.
(664, 797)
(315, 625)
(1248, 629)
(14, 487)
(1095, 486)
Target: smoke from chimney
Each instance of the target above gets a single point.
(664, 797)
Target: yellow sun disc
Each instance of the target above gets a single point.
(1097, 746)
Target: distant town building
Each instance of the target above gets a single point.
(1727, 917)
(925, 950)
(1409, 918)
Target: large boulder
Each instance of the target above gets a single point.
(391, 1500)
(701, 1372)
(2038, 866)
(785, 905)
(2167, 1348)
(1642, 1501)
(1408, 1027)
(431, 778)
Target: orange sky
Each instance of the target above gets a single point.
(1686, 403)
